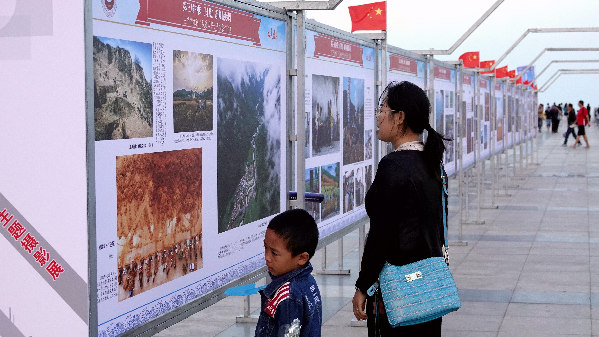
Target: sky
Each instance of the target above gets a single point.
(438, 24)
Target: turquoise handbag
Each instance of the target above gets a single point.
(421, 291)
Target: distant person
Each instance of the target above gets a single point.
(582, 119)
(589, 112)
(291, 303)
(555, 117)
(548, 116)
(571, 124)
(540, 116)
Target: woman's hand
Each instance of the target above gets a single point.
(359, 305)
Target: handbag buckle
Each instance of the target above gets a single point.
(413, 276)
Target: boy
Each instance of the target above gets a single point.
(291, 303)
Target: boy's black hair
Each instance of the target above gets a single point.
(298, 228)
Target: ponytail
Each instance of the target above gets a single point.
(433, 151)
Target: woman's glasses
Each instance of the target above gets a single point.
(378, 111)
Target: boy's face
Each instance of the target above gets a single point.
(279, 259)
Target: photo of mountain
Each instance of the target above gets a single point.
(248, 142)
(353, 120)
(192, 91)
(159, 218)
(330, 188)
(325, 115)
(348, 191)
(123, 106)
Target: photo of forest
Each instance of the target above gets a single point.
(329, 182)
(312, 179)
(368, 178)
(469, 135)
(348, 191)
(325, 115)
(368, 144)
(159, 218)
(123, 106)
(359, 187)
(353, 120)
(248, 142)
(192, 91)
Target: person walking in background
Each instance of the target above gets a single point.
(582, 119)
(548, 116)
(540, 115)
(571, 125)
(403, 203)
(555, 117)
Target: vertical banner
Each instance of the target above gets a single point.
(468, 117)
(189, 127)
(444, 107)
(500, 116)
(339, 117)
(485, 123)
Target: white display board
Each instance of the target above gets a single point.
(468, 118)
(500, 117)
(43, 189)
(340, 134)
(511, 120)
(444, 107)
(485, 123)
(189, 112)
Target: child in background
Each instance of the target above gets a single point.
(291, 303)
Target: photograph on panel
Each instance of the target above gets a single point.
(248, 142)
(312, 184)
(469, 135)
(353, 120)
(449, 133)
(499, 119)
(368, 144)
(192, 91)
(307, 148)
(359, 187)
(368, 177)
(451, 97)
(510, 114)
(348, 191)
(463, 113)
(329, 183)
(159, 218)
(123, 106)
(439, 108)
(487, 106)
(325, 115)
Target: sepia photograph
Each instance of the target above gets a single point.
(192, 91)
(159, 218)
(123, 106)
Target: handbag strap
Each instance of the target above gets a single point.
(444, 195)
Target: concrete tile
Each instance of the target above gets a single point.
(456, 321)
(548, 310)
(543, 326)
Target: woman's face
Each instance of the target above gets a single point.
(386, 124)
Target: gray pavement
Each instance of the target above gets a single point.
(532, 269)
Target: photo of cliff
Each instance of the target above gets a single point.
(353, 120)
(123, 106)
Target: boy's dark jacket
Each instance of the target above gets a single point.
(291, 303)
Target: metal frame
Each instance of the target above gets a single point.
(543, 52)
(542, 30)
(563, 61)
(464, 36)
(568, 72)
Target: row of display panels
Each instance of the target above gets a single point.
(190, 127)
(188, 121)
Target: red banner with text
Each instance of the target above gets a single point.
(403, 64)
(338, 49)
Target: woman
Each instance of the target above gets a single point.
(540, 115)
(403, 203)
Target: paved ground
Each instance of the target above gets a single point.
(532, 269)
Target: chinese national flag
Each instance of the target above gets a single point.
(536, 88)
(369, 16)
(501, 72)
(471, 59)
(519, 81)
(526, 82)
(511, 74)
(487, 65)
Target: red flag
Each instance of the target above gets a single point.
(471, 59)
(511, 74)
(526, 82)
(501, 72)
(536, 87)
(487, 65)
(519, 81)
(369, 16)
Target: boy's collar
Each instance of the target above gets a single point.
(278, 281)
